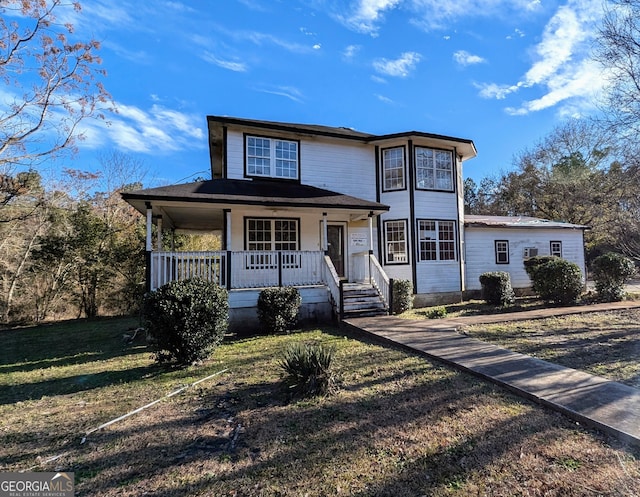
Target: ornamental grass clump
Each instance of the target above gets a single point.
(307, 369)
(186, 320)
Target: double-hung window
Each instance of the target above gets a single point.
(272, 234)
(395, 233)
(555, 248)
(393, 168)
(272, 157)
(436, 240)
(502, 251)
(434, 169)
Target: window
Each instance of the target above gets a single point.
(272, 158)
(436, 240)
(502, 252)
(272, 234)
(555, 248)
(434, 169)
(396, 241)
(393, 168)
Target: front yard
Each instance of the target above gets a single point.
(399, 424)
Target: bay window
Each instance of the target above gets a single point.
(434, 169)
(436, 240)
(393, 168)
(395, 233)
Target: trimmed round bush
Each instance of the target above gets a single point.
(278, 308)
(610, 272)
(557, 280)
(186, 320)
(497, 289)
(402, 296)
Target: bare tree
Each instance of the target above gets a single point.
(51, 80)
(619, 52)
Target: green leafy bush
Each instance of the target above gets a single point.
(307, 369)
(532, 264)
(555, 280)
(437, 312)
(186, 319)
(278, 308)
(402, 296)
(496, 288)
(610, 272)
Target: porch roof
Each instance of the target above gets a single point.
(183, 204)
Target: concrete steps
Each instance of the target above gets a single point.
(362, 300)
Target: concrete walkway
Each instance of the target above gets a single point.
(594, 401)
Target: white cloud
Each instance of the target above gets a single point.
(317, 46)
(289, 92)
(464, 58)
(225, 64)
(365, 14)
(562, 66)
(156, 130)
(351, 51)
(384, 99)
(400, 67)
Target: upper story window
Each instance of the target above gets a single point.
(272, 158)
(393, 168)
(434, 169)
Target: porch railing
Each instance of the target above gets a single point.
(380, 280)
(235, 270)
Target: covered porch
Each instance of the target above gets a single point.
(271, 234)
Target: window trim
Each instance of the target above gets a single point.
(386, 242)
(260, 218)
(551, 242)
(404, 169)
(438, 260)
(453, 169)
(497, 252)
(272, 139)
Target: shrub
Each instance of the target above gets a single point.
(437, 312)
(186, 319)
(496, 288)
(278, 308)
(308, 369)
(557, 280)
(533, 263)
(610, 272)
(402, 296)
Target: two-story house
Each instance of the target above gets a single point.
(335, 211)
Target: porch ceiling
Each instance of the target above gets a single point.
(200, 205)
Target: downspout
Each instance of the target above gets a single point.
(148, 248)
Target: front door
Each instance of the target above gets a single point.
(335, 242)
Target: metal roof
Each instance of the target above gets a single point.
(479, 221)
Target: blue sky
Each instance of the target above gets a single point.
(502, 73)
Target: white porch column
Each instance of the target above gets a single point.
(325, 241)
(227, 230)
(371, 232)
(149, 245)
(159, 241)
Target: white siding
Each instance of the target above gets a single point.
(480, 251)
(438, 276)
(340, 166)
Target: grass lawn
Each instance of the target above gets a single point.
(399, 424)
(602, 343)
